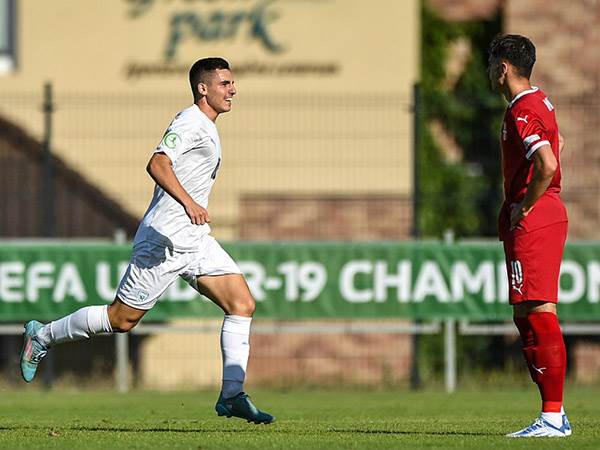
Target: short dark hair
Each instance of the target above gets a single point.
(517, 50)
(201, 68)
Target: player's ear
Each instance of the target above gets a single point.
(201, 89)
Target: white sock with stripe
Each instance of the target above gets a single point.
(235, 348)
(82, 324)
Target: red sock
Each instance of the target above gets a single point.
(549, 359)
(527, 343)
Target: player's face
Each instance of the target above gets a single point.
(497, 72)
(219, 90)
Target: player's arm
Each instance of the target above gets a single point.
(544, 168)
(160, 169)
(561, 143)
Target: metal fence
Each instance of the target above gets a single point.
(295, 166)
(336, 167)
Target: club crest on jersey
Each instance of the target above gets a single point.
(516, 276)
(142, 295)
(171, 140)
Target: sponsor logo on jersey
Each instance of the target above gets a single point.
(523, 119)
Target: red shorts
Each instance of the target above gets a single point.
(533, 263)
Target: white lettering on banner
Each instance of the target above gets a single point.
(39, 276)
(302, 281)
(309, 277)
(289, 270)
(69, 284)
(401, 280)
(105, 289)
(312, 277)
(346, 281)
(11, 279)
(502, 276)
(577, 274)
(462, 279)
(430, 282)
(593, 284)
(255, 277)
(359, 281)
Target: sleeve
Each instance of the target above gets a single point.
(177, 140)
(531, 130)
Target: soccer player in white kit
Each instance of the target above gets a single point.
(173, 240)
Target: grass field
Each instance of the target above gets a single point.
(306, 419)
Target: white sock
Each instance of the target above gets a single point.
(235, 348)
(82, 324)
(555, 418)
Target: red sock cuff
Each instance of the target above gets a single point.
(551, 407)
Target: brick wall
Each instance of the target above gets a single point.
(567, 68)
(465, 10)
(325, 217)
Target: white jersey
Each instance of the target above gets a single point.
(192, 143)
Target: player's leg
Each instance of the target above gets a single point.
(82, 324)
(544, 350)
(230, 292)
(38, 338)
(215, 275)
(533, 263)
(150, 271)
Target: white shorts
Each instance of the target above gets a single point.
(153, 268)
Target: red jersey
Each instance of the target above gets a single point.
(529, 123)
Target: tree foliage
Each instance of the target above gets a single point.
(462, 196)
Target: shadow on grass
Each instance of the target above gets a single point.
(114, 429)
(108, 429)
(416, 432)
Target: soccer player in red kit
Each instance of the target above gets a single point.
(532, 224)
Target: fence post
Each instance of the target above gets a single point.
(450, 355)
(121, 340)
(122, 362)
(48, 222)
(46, 199)
(415, 374)
(449, 338)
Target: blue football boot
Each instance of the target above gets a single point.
(241, 406)
(33, 350)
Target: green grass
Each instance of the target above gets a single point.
(306, 419)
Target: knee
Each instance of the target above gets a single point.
(120, 321)
(243, 307)
(123, 325)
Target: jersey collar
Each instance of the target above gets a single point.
(522, 94)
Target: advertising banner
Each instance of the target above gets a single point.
(302, 280)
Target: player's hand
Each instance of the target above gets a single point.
(197, 214)
(517, 213)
